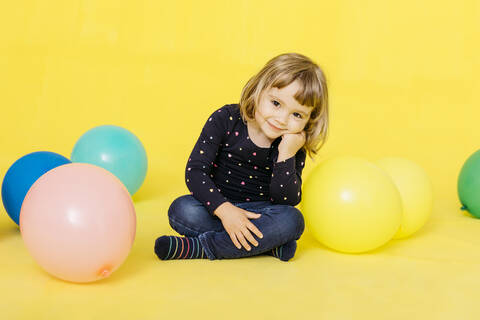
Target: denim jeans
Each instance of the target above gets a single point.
(279, 224)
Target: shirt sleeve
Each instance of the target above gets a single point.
(198, 171)
(286, 182)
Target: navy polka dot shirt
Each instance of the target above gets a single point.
(225, 165)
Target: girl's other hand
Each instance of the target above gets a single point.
(238, 226)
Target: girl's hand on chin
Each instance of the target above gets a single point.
(291, 143)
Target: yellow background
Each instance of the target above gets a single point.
(403, 79)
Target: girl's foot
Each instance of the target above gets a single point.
(172, 247)
(284, 252)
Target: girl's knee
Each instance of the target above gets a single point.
(294, 223)
(185, 208)
(283, 222)
(177, 206)
(188, 216)
(299, 223)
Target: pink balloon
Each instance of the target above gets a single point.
(78, 222)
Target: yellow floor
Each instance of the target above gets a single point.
(403, 80)
(433, 273)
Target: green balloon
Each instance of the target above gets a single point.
(469, 185)
(115, 149)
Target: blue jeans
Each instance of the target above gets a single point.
(279, 224)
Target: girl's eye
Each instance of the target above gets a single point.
(275, 103)
(297, 115)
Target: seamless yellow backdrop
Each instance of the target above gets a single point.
(403, 81)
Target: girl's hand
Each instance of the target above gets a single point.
(290, 144)
(236, 223)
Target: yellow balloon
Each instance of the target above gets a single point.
(416, 192)
(351, 205)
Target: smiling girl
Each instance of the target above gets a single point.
(244, 172)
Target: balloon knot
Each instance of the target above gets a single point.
(105, 271)
(463, 208)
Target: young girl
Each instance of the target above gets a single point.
(244, 172)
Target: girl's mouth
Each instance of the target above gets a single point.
(273, 127)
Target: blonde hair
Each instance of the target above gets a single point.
(279, 72)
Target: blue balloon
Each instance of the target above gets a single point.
(115, 149)
(22, 175)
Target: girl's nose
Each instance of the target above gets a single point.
(282, 118)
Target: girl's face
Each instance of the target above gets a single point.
(278, 112)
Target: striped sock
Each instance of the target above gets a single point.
(284, 252)
(172, 247)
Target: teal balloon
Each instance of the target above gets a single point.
(115, 149)
(469, 185)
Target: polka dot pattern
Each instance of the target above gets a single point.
(239, 170)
